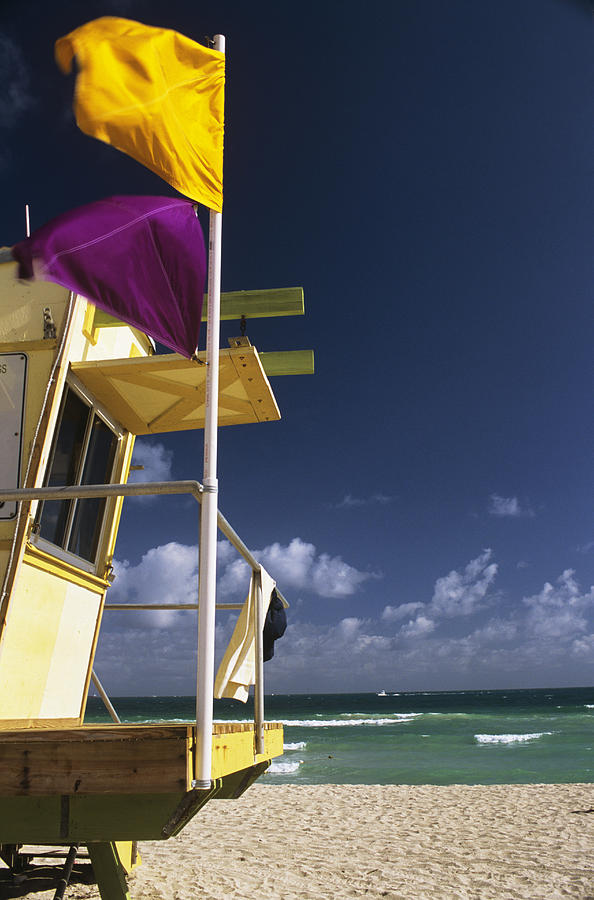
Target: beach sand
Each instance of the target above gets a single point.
(326, 841)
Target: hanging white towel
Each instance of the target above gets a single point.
(238, 666)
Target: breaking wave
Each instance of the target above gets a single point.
(283, 768)
(509, 738)
(397, 719)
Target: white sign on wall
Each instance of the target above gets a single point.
(13, 375)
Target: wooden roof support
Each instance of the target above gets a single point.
(261, 304)
(287, 362)
(235, 304)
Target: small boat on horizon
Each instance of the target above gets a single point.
(382, 694)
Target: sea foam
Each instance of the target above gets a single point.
(283, 768)
(297, 745)
(397, 719)
(509, 738)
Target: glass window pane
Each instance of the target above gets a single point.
(65, 464)
(98, 467)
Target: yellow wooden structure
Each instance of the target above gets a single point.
(76, 386)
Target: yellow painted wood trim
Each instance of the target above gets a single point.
(166, 392)
(11, 572)
(288, 362)
(234, 304)
(100, 319)
(46, 724)
(48, 563)
(237, 727)
(128, 854)
(250, 371)
(259, 304)
(89, 675)
(89, 329)
(39, 452)
(234, 750)
(28, 346)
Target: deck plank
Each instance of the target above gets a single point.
(122, 759)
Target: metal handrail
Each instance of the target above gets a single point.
(123, 607)
(84, 491)
(88, 491)
(160, 488)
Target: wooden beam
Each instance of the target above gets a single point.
(84, 818)
(261, 304)
(96, 760)
(288, 362)
(121, 759)
(234, 304)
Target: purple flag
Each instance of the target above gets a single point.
(141, 259)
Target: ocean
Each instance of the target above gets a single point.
(461, 737)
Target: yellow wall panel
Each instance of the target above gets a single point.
(46, 645)
(28, 643)
(69, 665)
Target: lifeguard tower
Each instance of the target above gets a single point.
(76, 387)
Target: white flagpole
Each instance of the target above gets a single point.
(209, 507)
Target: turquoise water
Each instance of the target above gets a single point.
(464, 737)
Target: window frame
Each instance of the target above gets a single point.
(95, 408)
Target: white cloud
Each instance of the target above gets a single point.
(294, 563)
(418, 627)
(349, 628)
(332, 577)
(395, 613)
(225, 553)
(157, 462)
(545, 638)
(583, 648)
(507, 506)
(585, 548)
(558, 611)
(494, 631)
(567, 593)
(340, 656)
(169, 574)
(298, 566)
(166, 574)
(461, 594)
(350, 502)
(456, 594)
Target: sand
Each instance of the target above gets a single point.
(326, 841)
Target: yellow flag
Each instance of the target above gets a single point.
(155, 95)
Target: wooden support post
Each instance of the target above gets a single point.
(109, 872)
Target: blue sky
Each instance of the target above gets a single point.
(424, 170)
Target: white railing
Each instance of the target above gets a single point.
(195, 489)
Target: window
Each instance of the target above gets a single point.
(84, 452)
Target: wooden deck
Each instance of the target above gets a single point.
(119, 782)
(122, 759)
